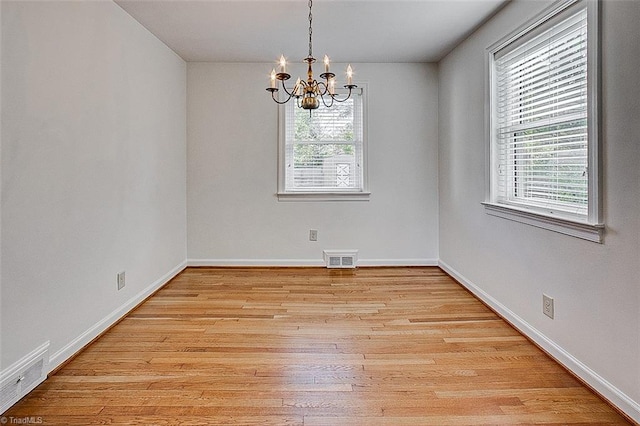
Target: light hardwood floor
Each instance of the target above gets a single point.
(310, 346)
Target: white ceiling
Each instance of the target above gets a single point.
(346, 30)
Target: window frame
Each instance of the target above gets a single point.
(359, 194)
(590, 228)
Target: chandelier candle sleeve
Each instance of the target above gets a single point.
(326, 63)
(297, 89)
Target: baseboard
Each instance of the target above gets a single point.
(307, 262)
(599, 384)
(397, 262)
(255, 262)
(100, 327)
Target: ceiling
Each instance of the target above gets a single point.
(346, 30)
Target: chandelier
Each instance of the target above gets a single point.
(309, 92)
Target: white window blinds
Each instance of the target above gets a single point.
(540, 107)
(324, 149)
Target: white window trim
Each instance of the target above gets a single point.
(329, 195)
(593, 228)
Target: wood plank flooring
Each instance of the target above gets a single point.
(297, 346)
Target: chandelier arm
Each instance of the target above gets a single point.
(323, 89)
(293, 90)
(345, 99)
(330, 104)
(340, 100)
(273, 96)
(287, 92)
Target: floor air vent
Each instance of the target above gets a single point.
(23, 376)
(340, 258)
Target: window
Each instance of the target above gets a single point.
(322, 154)
(544, 162)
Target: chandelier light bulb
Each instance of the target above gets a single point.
(326, 63)
(283, 64)
(349, 75)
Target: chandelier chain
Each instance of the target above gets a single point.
(310, 29)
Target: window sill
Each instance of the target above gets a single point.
(323, 196)
(586, 231)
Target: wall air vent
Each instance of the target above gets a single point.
(23, 376)
(340, 258)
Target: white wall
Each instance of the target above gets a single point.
(234, 216)
(596, 330)
(93, 170)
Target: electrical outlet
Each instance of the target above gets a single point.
(313, 235)
(121, 282)
(547, 306)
